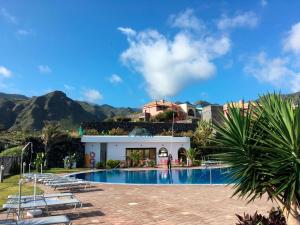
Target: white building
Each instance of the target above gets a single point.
(155, 148)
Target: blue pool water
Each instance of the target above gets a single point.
(176, 176)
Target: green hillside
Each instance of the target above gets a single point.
(18, 112)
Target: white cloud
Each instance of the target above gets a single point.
(92, 95)
(186, 20)
(292, 41)
(115, 79)
(126, 30)
(169, 64)
(246, 19)
(275, 71)
(4, 72)
(263, 3)
(69, 87)
(10, 18)
(44, 69)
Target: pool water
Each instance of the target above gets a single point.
(175, 176)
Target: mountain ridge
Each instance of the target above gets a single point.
(19, 112)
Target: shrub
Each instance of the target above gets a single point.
(111, 164)
(100, 165)
(275, 218)
(70, 160)
(117, 131)
(197, 163)
(39, 161)
(165, 116)
(91, 132)
(15, 151)
(152, 163)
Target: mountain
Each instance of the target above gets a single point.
(18, 112)
(12, 96)
(294, 96)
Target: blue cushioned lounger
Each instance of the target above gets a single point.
(39, 221)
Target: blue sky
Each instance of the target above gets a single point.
(125, 53)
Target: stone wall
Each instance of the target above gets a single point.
(8, 162)
(153, 128)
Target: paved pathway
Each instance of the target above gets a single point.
(180, 204)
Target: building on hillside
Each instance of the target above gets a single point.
(244, 106)
(212, 113)
(190, 111)
(183, 111)
(152, 109)
(151, 148)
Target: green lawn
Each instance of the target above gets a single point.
(10, 186)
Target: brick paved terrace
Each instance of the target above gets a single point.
(176, 204)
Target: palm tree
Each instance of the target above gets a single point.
(135, 156)
(51, 135)
(262, 146)
(192, 153)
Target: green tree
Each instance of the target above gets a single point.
(192, 153)
(51, 135)
(166, 116)
(262, 146)
(202, 135)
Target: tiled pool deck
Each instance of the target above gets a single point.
(178, 204)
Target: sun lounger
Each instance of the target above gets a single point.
(61, 180)
(54, 195)
(12, 205)
(8, 222)
(39, 221)
(38, 175)
(70, 184)
(42, 203)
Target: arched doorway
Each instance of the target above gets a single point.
(182, 155)
(163, 152)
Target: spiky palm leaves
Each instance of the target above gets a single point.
(192, 153)
(262, 146)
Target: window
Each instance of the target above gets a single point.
(145, 153)
(191, 112)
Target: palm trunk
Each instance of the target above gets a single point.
(46, 155)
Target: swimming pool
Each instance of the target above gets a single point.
(176, 176)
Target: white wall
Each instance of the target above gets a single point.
(117, 151)
(116, 145)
